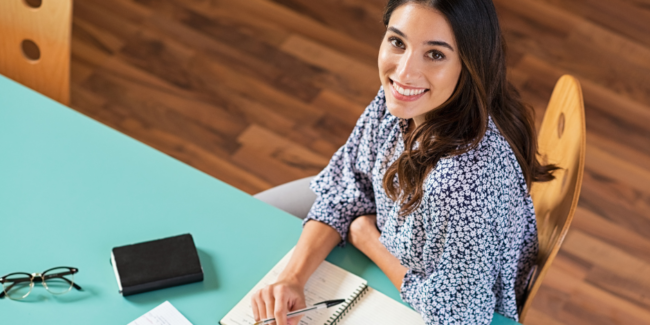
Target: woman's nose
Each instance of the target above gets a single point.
(407, 68)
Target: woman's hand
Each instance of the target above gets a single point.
(363, 231)
(276, 300)
(287, 293)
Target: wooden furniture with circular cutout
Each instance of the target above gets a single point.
(562, 141)
(35, 45)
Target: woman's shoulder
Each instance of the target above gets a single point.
(492, 162)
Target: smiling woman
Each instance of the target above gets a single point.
(432, 184)
(418, 65)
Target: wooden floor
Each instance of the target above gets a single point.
(261, 92)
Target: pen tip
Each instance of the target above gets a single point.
(331, 303)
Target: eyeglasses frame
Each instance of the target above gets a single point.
(39, 276)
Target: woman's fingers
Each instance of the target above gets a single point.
(257, 305)
(276, 300)
(281, 307)
(269, 302)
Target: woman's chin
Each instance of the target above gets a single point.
(398, 111)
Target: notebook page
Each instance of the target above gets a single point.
(375, 308)
(164, 314)
(328, 282)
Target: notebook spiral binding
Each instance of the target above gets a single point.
(343, 310)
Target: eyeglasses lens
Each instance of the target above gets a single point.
(59, 280)
(18, 286)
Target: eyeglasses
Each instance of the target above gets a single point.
(57, 280)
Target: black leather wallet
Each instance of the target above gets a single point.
(156, 264)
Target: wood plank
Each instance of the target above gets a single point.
(624, 288)
(275, 158)
(339, 106)
(622, 151)
(537, 317)
(226, 22)
(612, 233)
(221, 51)
(615, 202)
(280, 19)
(170, 117)
(626, 172)
(356, 80)
(591, 305)
(549, 300)
(607, 257)
(117, 17)
(626, 18)
(566, 274)
(578, 53)
(88, 33)
(352, 18)
(216, 77)
(545, 19)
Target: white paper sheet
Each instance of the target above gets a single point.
(164, 314)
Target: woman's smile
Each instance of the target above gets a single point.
(405, 93)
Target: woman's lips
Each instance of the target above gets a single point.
(405, 98)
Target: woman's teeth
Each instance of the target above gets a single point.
(408, 92)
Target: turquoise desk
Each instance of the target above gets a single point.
(71, 189)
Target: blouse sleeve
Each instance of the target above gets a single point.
(344, 188)
(461, 221)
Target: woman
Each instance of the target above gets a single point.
(433, 183)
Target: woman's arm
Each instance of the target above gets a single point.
(364, 235)
(287, 293)
(316, 242)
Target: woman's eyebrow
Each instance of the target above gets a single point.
(440, 43)
(397, 31)
(434, 43)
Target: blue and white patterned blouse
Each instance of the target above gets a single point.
(471, 243)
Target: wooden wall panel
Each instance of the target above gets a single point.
(48, 26)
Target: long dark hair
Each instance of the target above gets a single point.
(459, 124)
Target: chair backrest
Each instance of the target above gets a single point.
(562, 141)
(35, 45)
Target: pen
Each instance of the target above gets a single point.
(320, 305)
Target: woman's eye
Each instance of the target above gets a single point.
(396, 42)
(436, 55)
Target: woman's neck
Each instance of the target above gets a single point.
(411, 127)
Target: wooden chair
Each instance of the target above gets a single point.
(562, 141)
(35, 45)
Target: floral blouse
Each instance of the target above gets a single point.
(471, 244)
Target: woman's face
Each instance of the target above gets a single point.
(419, 65)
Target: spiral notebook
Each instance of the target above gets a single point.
(363, 304)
